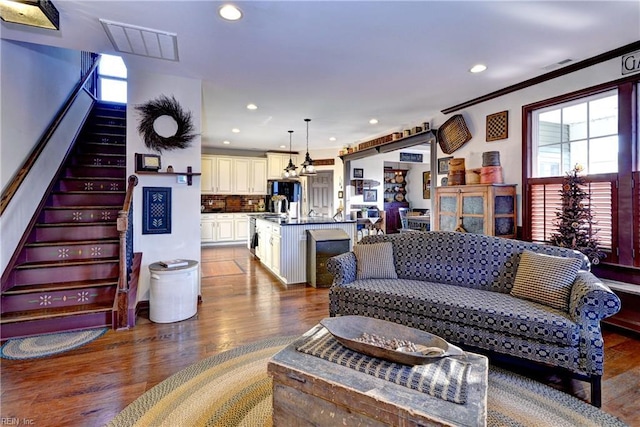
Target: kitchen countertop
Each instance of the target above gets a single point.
(283, 220)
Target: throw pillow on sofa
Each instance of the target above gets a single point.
(375, 261)
(545, 279)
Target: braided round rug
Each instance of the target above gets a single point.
(49, 344)
(233, 389)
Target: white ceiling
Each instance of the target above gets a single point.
(342, 63)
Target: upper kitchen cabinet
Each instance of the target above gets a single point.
(277, 162)
(250, 175)
(233, 175)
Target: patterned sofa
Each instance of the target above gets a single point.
(458, 286)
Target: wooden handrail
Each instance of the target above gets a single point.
(123, 227)
(18, 178)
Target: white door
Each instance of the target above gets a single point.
(321, 193)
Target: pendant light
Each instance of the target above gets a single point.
(290, 170)
(307, 166)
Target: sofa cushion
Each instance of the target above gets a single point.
(494, 311)
(375, 261)
(545, 279)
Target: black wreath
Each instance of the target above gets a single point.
(165, 106)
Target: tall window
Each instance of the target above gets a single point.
(593, 128)
(112, 79)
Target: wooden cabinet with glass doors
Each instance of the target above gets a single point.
(482, 209)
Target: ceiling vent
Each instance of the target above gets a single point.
(142, 41)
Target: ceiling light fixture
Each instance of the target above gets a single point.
(290, 170)
(235, 130)
(35, 13)
(478, 68)
(373, 121)
(230, 12)
(252, 107)
(226, 142)
(333, 138)
(307, 166)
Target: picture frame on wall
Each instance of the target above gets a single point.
(426, 185)
(443, 165)
(370, 195)
(358, 173)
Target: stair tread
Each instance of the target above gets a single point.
(92, 178)
(71, 243)
(62, 286)
(49, 313)
(75, 224)
(97, 166)
(72, 263)
(89, 192)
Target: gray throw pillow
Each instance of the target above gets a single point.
(375, 261)
(546, 279)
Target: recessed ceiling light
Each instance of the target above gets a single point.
(283, 146)
(373, 121)
(235, 130)
(252, 107)
(226, 142)
(230, 12)
(478, 68)
(333, 138)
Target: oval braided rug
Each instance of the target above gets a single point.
(48, 344)
(233, 389)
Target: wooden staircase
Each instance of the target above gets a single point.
(65, 276)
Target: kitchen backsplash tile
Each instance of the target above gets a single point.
(218, 203)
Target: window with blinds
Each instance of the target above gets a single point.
(546, 200)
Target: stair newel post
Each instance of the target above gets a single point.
(125, 231)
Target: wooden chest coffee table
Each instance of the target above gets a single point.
(308, 390)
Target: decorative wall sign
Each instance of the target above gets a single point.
(156, 210)
(498, 126)
(631, 63)
(358, 173)
(160, 107)
(324, 162)
(411, 157)
(443, 165)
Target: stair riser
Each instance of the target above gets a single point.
(96, 147)
(99, 160)
(92, 185)
(68, 298)
(62, 324)
(34, 276)
(115, 199)
(54, 216)
(102, 172)
(70, 252)
(57, 234)
(104, 121)
(104, 137)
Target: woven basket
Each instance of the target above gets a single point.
(453, 134)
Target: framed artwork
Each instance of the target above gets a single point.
(443, 165)
(370, 195)
(156, 210)
(426, 185)
(358, 173)
(498, 126)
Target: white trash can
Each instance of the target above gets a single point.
(173, 294)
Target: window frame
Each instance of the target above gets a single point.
(625, 240)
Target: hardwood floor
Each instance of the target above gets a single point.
(90, 385)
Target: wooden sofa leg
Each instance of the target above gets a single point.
(596, 390)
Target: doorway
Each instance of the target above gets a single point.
(321, 193)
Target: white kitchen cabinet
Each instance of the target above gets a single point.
(223, 175)
(241, 227)
(276, 162)
(206, 179)
(224, 228)
(275, 249)
(250, 176)
(207, 227)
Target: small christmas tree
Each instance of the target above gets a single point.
(574, 222)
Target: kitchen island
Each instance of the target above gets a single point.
(282, 243)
